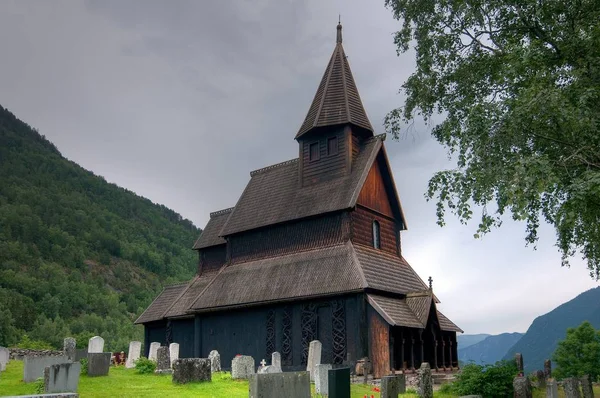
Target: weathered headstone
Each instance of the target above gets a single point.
(288, 385)
(62, 377)
(96, 344)
(215, 361)
(163, 361)
(4, 356)
(339, 383)
(135, 348)
(571, 387)
(190, 370)
(69, 347)
(276, 361)
(173, 352)
(314, 357)
(153, 349)
(242, 367)
(541, 379)
(321, 378)
(519, 362)
(547, 369)
(424, 381)
(391, 386)
(33, 366)
(522, 387)
(98, 363)
(586, 386)
(551, 388)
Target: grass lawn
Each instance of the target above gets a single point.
(122, 382)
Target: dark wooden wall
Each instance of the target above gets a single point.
(379, 344)
(183, 334)
(155, 331)
(362, 229)
(287, 238)
(328, 166)
(212, 258)
(374, 193)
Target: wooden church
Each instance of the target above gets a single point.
(312, 250)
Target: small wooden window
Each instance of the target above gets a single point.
(332, 146)
(376, 235)
(314, 153)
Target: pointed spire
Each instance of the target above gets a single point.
(339, 30)
(337, 100)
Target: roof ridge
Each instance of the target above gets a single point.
(219, 212)
(273, 166)
(381, 137)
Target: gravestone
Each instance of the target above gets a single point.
(215, 361)
(424, 381)
(62, 377)
(98, 363)
(261, 368)
(571, 387)
(153, 349)
(522, 387)
(551, 388)
(547, 369)
(519, 362)
(163, 361)
(4, 356)
(276, 361)
(33, 366)
(541, 379)
(586, 386)
(391, 386)
(173, 352)
(96, 344)
(314, 357)
(288, 385)
(242, 366)
(339, 383)
(135, 348)
(69, 348)
(80, 353)
(191, 370)
(321, 378)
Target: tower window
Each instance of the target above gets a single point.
(332, 146)
(314, 153)
(376, 235)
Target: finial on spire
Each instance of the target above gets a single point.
(430, 283)
(339, 29)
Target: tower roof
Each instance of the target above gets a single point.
(337, 100)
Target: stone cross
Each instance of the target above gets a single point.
(263, 363)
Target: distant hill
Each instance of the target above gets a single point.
(490, 350)
(546, 331)
(78, 256)
(466, 340)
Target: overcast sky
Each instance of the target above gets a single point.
(180, 100)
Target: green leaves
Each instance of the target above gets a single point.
(518, 85)
(579, 353)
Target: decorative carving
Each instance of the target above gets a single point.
(339, 331)
(309, 329)
(169, 332)
(270, 333)
(286, 347)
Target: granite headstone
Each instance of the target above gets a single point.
(98, 363)
(70, 347)
(33, 366)
(288, 385)
(424, 381)
(96, 344)
(522, 387)
(63, 377)
(215, 361)
(391, 386)
(163, 361)
(314, 357)
(191, 370)
(173, 352)
(322, 378)
(4, 356)
(551, 388)
(242, 366)
(135, 349)
(571, 387)
(153, 349)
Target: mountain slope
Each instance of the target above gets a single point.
(490, 350)
(78, 255)
(467, 340)
(547, 330)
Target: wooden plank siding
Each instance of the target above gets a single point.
(212, 258)
(327, 166)
(374, 194)
(288, 238)
(379, 335)
(362, 230)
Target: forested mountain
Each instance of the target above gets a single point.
(466, 340)
(547, 330)
(489, 350)
(78, 256)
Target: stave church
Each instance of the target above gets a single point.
(311, 250)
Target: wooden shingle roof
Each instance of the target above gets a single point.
(210, 234)
(395, 311)
(447, 325)
(273, 194)
(165, 299)
(337, 100)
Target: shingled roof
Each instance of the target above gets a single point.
(165, 299)
(273, 195)
(210, 234)
(395, 311)
(337, 100)
(447, 325)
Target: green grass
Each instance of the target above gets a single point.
(122, 382)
